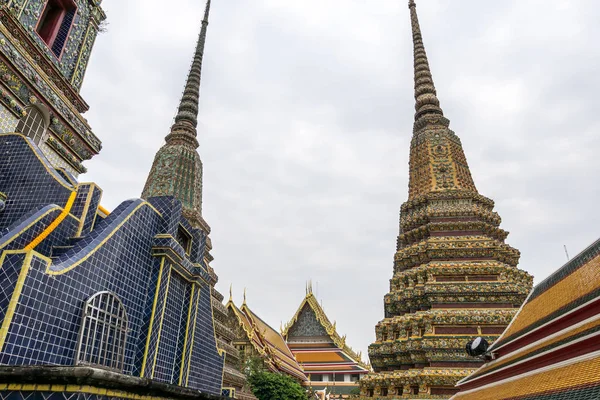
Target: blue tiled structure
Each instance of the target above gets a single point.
(96, 305)
(133, 254)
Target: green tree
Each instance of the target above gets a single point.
(271, 386)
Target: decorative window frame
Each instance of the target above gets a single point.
(103, 332)
(66, 15)
(37, 117)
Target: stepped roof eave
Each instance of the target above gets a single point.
(339, 341)
(580, 260)
(276, 347)
(311, 359)
(532, 335)
(241, 317)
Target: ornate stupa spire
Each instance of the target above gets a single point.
(425, 94)
(177, 168)
(437, 162)
(454, 276)
(187, 113)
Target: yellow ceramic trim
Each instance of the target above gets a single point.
(154, 208)
(212, 313)
(160, 271)
(187, 331)
(162, 317)
(187, 377)
(60, 181)
(14, 300)
(93, 251)
(29, 226)
(86, 207)
(104, 210)
(181, 271)
(224, 354)
(50, 228)
(77, 389)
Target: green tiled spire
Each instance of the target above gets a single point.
(177, 168)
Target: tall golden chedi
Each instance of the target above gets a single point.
(454, 277)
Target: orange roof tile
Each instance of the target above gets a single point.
(564, 379)
(328, 368)
(552, 295)
(319, 357)
(268, 341)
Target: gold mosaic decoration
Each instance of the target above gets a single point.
(454, 277)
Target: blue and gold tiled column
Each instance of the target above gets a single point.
(86, 206)
(158, 309)
(188, 346)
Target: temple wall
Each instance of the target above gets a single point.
(132, 254)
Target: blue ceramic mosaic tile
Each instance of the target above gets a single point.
(28, 179)
(122, 254)
(168, 360)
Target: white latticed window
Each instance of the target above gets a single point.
(33, 125)
(103, 332)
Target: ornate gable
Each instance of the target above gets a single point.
(307, 325)
(308, 317)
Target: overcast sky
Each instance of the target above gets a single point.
(305, 121)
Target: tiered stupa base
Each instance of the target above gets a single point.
(426, 383)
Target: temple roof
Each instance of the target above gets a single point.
(551, 347)
(267, 342)
(316, 351)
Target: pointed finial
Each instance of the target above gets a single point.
(231, 292)
(425, 93)
(244, 296)
(177, 168)
(186, 119)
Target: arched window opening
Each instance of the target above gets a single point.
(33, 125)
(103, 332)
